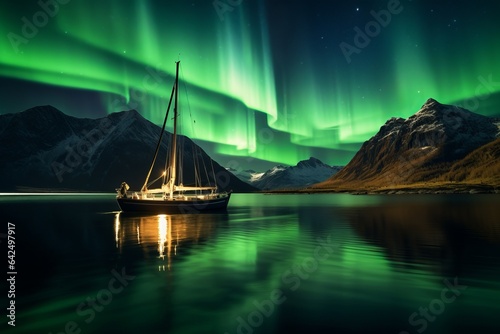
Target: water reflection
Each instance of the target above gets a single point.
(209, 273)
(162, 235)
(451, 237)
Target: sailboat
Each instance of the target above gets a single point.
(172, 196)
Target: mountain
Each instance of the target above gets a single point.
(45, 149)
(480, 166)
(429, 149)
(248, 175)
(305, 173)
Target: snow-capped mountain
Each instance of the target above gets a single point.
(305, 173)
(44, 148)
(247, 176)
(421, 148)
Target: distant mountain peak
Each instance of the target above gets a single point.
(310, 163)
(305, 173)
(432, 108)
(130, 113)
(431, 103)
(45, 108)
(126, 114)
(46, 112)
(443, 112)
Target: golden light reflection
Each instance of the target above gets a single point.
(164, 237)
(165, 234)
(138, 235)
(117, 229)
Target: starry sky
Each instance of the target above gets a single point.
(262, 82)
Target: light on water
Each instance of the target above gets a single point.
(270, 264)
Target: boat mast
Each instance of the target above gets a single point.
(145, 186)
(173, 152)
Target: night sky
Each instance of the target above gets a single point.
(262, 82)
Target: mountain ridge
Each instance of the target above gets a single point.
(43, 148)
(417, 150)
(305, 173)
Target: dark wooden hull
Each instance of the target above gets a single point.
(178, 206)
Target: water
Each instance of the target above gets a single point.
(331, 263)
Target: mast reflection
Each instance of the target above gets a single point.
(162, 235)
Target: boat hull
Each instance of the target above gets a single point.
(177, 206)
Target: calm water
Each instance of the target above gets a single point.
(273, 264)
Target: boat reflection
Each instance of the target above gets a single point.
(161, 236)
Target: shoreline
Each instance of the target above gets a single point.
(448, 188)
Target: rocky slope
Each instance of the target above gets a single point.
(428, 147)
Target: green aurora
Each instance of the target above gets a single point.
(264, 81)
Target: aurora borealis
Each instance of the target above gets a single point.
(267, 81)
